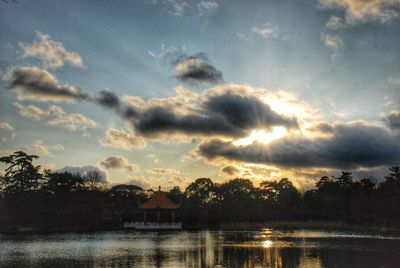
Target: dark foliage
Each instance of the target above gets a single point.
(62, 200)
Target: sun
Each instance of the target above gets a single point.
(263, 136)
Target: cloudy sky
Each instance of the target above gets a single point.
(161, 92)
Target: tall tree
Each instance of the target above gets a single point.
(21, 175)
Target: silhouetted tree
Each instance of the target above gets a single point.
(63, 182)
(201, 192)
(236, 199)
(65, 200)
(175, 194)
(94, 180)
(199, 196)
(21, 175)
(284, 196)
(388, 194)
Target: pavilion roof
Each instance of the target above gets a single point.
(159, 200)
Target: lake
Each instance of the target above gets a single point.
(264, 248)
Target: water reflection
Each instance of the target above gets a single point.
(266, 248)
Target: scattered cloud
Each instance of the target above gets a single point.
(168, 53)
(56, 116)
(122, 139)
(176, 7)
(230, 170)
(206, 7)
(266, 31)
(31, 111)
(6, 131)
(335, 22)
(153, 158)
(72, 121)
(361, 11)
(41, 148)
(196, 68)
(36, 84)
(395, 82)
(52, 53)
(163, 171)
(334, 43)
(108, 99)
(6, 126)
(118, 162)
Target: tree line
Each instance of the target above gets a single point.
(64, 200)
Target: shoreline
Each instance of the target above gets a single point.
(383, 229)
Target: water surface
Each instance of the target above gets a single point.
(265, 248)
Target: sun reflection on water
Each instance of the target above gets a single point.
(267, 243)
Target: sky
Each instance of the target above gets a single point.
(161, 92)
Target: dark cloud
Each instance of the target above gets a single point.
(190, 68)
(36, 84)
(351, 146)
(245, 112)
(222, 111)
(322, 127)
(108, 99)
(228, 110)
(230, 170)
(393, 121)
(159, 120)
(196, 68)
(118, 162)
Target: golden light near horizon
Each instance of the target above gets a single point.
(263, 136)
(267, 244)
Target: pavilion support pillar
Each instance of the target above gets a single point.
(158, 216)
(173, 217)
(145, 216)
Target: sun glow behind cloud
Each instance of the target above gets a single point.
(263, 136)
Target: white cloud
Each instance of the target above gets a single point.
(266, 31)
(394, 81)
(138, 181)
(361, 11)
(84, 170)
(41, 148)
(72, 121)
(206, 7)
(8, 130)
(30, 111)
(176, 7)
(335, 22)
(52, 53)
(334, 43)
(163, 171)
(6, 126)
(122, 139)
(153, 158)
(56, 116)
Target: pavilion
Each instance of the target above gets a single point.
(159, 203)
